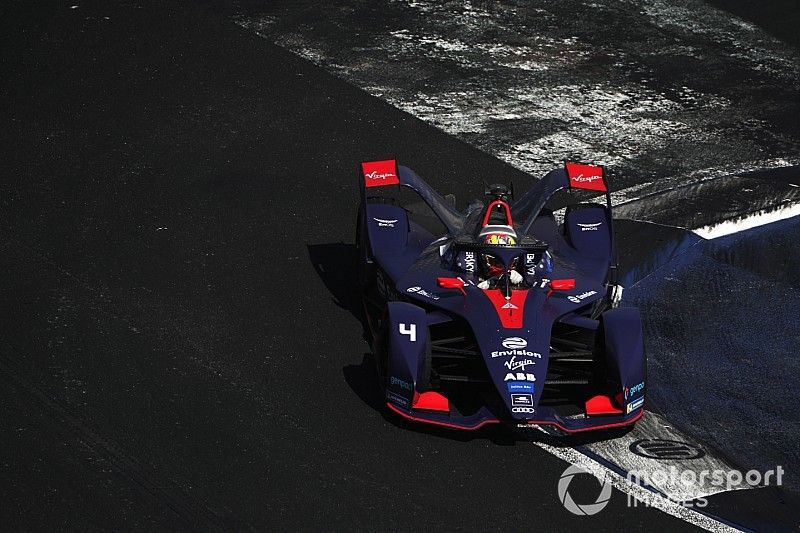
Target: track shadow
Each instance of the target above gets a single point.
(362, 379)
(336, 265)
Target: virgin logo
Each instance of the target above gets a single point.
(580, 178)
(375, 175)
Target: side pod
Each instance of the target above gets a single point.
(409, 348)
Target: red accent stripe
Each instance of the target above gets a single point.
(380, 173)
(436, 423)
(531, 422)
(510, 317)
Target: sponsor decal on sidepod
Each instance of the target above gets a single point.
(582, 296)
(469, 261)
(400, 383)
(639, 387)
(422, 292)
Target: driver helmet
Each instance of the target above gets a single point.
(496, 235)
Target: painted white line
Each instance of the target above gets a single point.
(641, 494)
(748, 221)
(655, 428)
(670, 183)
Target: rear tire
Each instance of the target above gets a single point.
(365, 272)
(380, 352)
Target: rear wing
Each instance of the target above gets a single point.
(574, 176)
(387, 173)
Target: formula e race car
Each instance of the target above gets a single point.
(500, 314)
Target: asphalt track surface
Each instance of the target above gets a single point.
(181, 347)
(650, 88)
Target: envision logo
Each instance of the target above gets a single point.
(516, 346)
(514, 343)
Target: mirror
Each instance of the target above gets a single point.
(451, 283)
(562, 284)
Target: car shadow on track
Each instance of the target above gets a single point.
(364, 382)
(336, 265)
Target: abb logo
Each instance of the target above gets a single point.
(588, 177)
(380, 173)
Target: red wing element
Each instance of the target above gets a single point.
(431, 400)
(379, 173)
(509, 311)
(601, 405)
(586, 177)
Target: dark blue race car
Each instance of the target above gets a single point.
(507, 313)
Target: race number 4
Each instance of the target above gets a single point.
(410, 330)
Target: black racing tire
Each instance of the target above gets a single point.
(424, 384)
(365, 272)
(380, 352)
